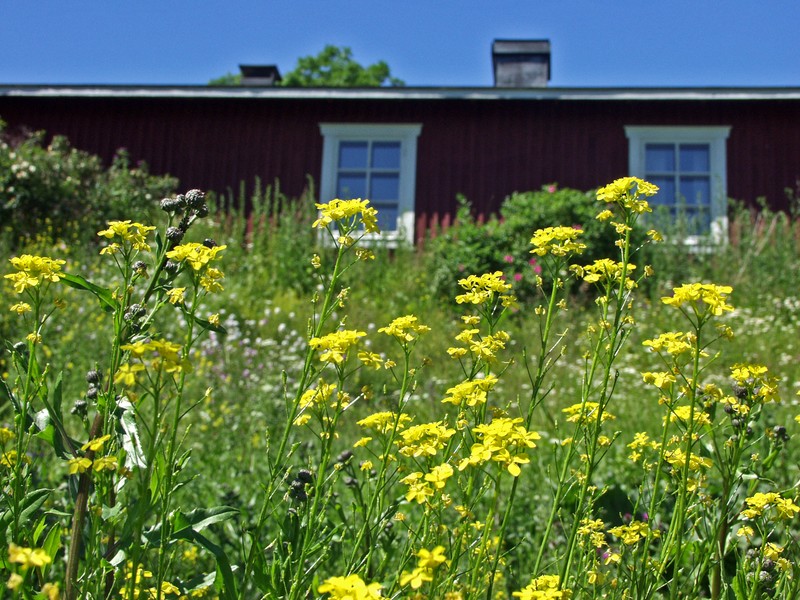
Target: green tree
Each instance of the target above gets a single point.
(227, 79)
(335, 67)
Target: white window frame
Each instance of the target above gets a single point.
(405, 133)
(715, 136)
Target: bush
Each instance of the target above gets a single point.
(67, 189)
(503, 244)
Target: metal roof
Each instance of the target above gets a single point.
(400, 93)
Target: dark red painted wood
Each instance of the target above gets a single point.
(484, 149)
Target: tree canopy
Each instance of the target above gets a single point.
(333, 67)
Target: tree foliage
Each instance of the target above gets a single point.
(333, 67)
(336, 67)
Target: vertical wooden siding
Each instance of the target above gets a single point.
(482, 149)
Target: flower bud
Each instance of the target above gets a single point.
(195, 198)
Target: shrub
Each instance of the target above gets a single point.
(503, 244)
(67, 189)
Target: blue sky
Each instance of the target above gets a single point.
(595, 43)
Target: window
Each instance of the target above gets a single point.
(688, 165)
(378, 162)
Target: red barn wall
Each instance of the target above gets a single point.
(484, 149)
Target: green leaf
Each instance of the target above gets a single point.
(224, 582)
(104, 296)
(200, 518)
(208, 325)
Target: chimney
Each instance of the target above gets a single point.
(521, 63)
(259, 75)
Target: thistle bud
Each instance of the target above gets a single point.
(195, 199)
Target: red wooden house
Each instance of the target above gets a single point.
(413, 150)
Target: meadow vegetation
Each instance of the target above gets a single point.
(257, 404)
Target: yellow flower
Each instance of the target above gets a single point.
(335, 345)
(347, 213)
(126, 375)
(629, 193)
(105, 463)
(196, 255)
(713, 297)
(133, 233)
(404, 329)
(50, 591)
(385, 421)
(483, 288)
(176, 295)
(472, 392)
(425, 439)
(351, 587)
(32, 271)
(96, 444)
(78, 465)
(545, 587)
(14, 581)
(21, 308)
(439, 475)
(558, 241)
(28, 557)
(6, 435)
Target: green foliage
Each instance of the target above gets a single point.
(69, 190)
(336, 67)
(229, 79)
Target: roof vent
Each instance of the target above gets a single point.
(260, 75)
(521, 63)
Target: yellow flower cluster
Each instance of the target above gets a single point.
(318, 395)
(351, 587)
(632, 533)
(629, 193)
(425, 439)
(471, 393)
(558, 241)
(32, 271)
(714, 297)
(756, 379)
(165, 355)
(335, 345)
(672, 342)
(385, 421)
(134, 234)
(660, 379)
(423, 486)
(586, 412)
(545, 587)
(502, 440)
(28, 557)
(482, 348)
(427, 563)
(347, 213)
(759, 503)
(485, 288)
(405, 329)
(605, 270)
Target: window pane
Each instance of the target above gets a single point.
(666, 191)
(353, 155)
(659, 158)
(384, 186)
(351, 185)
(695, 191)
(387, 216)
(386, 155)
(695, 158)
